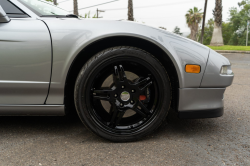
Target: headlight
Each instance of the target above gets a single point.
(226, 70)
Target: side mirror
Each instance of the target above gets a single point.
(3, 16)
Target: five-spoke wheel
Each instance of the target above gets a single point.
(123, 95)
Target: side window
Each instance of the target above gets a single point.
(11, 10)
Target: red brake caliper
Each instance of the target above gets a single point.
(142, 97)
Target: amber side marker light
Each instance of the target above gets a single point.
(193, 69)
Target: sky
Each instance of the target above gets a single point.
(164, 13)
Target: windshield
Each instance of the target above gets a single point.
(42, 8)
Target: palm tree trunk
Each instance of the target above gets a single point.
(217, 39)
(130, 10)
(76, 7)
(55, 2)
(193, 32)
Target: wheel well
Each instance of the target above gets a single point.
(105, 43)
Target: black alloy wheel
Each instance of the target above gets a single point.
(122, 94)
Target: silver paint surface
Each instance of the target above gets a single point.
(25, 61)
(192, 99)
(212, 77)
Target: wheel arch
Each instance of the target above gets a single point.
(100, 44)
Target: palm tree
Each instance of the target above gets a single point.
(130, 10)
(75, 7)
(193, 18)
(217, 39)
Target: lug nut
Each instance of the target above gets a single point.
(115, 95)
(131, 101)
(121, 104)
(122, 87)
(133, 91)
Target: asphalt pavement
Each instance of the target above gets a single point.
(65, 141)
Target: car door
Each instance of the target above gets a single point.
(25, 58)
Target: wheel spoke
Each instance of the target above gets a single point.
(143, 111)
(140, 112)
(103, 94)
(119, 117)
(116, 75)
(146, 86)
(102, 98)
(116, 116)
(112, 109)
(102, 91)
(140, 104)
(144, 81)
(122, 73)
(113, 112)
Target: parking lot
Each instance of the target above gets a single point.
(65, 141)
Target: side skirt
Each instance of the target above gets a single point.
(32, 110)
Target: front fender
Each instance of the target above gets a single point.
(71, 36)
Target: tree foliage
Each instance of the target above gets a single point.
(242, 3)
(235, 29)
(177, 30)
(238, 23)
(227, 32)
(208, 32)
(49, 1)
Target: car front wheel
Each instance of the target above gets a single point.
(122, 94)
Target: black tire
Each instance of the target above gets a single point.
(137, 106)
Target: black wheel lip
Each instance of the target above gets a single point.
(122, 133)
(135, 130)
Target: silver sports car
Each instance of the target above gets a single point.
(121, 77)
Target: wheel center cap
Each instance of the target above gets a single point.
(125, 96)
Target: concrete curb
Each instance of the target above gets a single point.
(231, 51)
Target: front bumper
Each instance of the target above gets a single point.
(201, 102)
(207, 101)
(201, 114)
